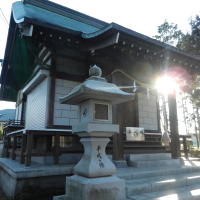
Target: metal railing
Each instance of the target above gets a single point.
(13, 123)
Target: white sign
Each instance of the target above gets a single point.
(135, 134)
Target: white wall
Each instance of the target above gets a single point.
(65, 114)
(36, 108)
(147, 109)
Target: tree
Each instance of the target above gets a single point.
(190, 43)
(169, 33)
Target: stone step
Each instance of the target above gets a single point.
(148, 157)
(183, 193)
(134, 173)
(162, 183)
(155, 163)
(152, 160)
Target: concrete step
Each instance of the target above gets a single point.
(183, 193)
(162, 183)
(147, 157)
(134, 173)
(156, 163)
(152, 160)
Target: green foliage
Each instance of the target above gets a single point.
(169, 33)
(190, 41)
(195, 93)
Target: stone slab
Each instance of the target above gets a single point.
(131, 173)
(157, 163)
(183, 193)
(150, 157)
(104, 188)
(17, 179)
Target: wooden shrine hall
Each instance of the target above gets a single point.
(49, 51)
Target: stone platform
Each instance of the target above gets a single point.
(20, 182)
(152, 183)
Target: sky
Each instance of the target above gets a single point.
(143, 16)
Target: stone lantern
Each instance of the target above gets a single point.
(94, 174)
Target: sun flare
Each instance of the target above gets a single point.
(166, 85)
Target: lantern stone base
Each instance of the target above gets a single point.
(104, 188)
(94, 162)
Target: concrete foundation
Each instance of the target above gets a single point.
(105, 188)
(18, 181)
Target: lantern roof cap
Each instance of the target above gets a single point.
(96, 87)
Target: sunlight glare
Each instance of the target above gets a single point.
(166, 85)
(168, 181)
(169, 197)
(195, 192)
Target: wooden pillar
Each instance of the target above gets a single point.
(56, 149)
(23, 148)
(185, 147)
(118, 151)
(14, 146)
(29, 147)
(124, 114)
(173, 120)
(51, 98)
(7, 145)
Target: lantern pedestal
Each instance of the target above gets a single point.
(94, 162)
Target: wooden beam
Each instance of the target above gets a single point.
(103, 43)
